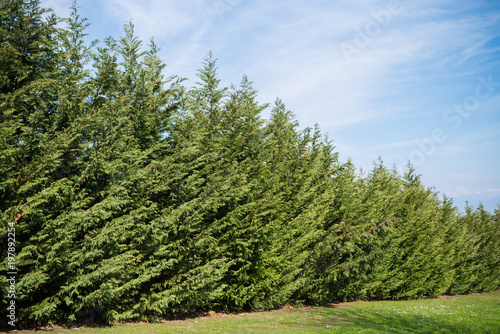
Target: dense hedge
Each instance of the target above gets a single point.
(133, 196)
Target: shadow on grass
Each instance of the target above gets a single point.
(345, 319)
(93, 323)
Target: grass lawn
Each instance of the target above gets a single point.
(457, 314)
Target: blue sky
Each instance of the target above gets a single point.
(403, 80)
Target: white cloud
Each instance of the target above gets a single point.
(463, 191)
(60, 7)
(471, 177)
(302, 62)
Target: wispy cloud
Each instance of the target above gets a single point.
(158, 18)
(461, 191)
(60, 7)
(473, 177)
(303, 64)
(398, 144)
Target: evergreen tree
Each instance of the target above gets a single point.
(418, 251)
(477, 267)
(300, 170)
(27, 64)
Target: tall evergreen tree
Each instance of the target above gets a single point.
(27, 64)
(477, 267)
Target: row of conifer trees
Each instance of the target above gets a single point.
(134, 196)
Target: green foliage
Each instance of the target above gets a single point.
(477, 268)
(144, 197)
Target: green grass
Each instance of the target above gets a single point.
(458, 314)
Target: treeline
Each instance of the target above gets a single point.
(134, 196)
